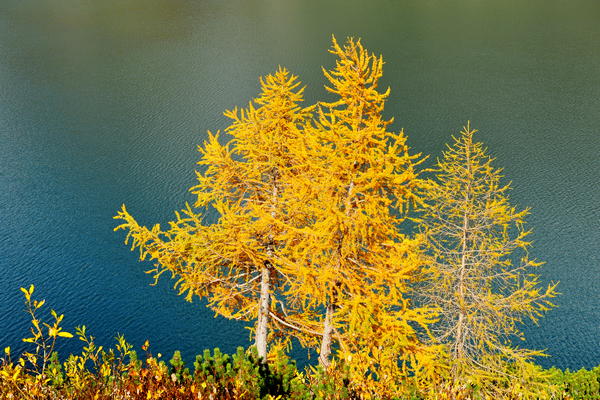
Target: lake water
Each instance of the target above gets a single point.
(104, 103)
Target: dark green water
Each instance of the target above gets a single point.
(104, 102)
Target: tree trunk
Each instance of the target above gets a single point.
(264, 308)
(461, 325)
(263, 314)
(325, 352)
(459, 341)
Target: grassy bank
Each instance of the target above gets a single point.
(118, 373)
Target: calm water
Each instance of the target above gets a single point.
(104, 102)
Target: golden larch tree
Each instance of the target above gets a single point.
(230, 261)
(350, 263)
(482, 277)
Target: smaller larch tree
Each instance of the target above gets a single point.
(230, 261)
(482, 277)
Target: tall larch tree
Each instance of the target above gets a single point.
(350, 263)
(483, 279)
(230, 261)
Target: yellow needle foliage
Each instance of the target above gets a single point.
(300, 224)
(308, 237)
(230, 261)
(483, 280)
(350, 265)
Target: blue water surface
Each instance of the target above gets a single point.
(104, 103)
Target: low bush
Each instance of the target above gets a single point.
(118, 373)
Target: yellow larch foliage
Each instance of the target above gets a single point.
(309, 238)
(482, 277)
(230, 261)
(350, 263)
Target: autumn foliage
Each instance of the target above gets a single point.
(482, 278)
(307, 238)
(315, 223)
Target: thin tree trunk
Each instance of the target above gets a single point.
(460, 325)
(263, 314)
(264, 307)
(459, 340)
(325, 352)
